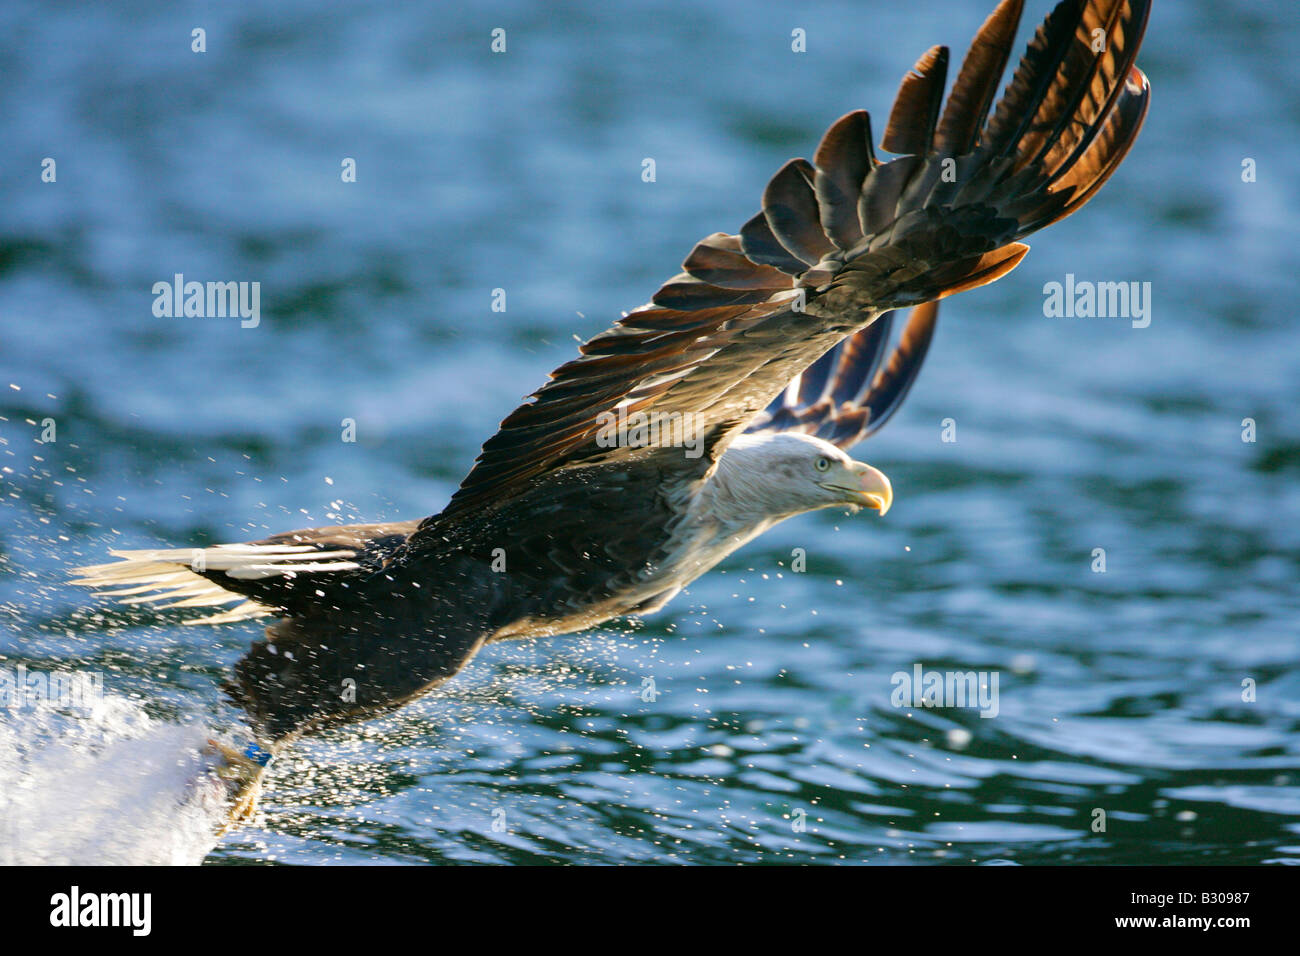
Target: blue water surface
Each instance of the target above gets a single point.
(771, 735)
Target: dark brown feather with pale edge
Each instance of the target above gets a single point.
(977, 81)
(843, 161)
(916, 107)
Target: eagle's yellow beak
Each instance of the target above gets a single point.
(875, 488)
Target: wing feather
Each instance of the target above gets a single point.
(916, 107)
(843, 162)
(856, 395)
(792, 213)
(977, 81)
(842, 241)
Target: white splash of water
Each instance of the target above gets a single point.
(105, 786)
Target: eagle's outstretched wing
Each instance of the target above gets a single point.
(846, 238)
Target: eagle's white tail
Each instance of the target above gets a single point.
(170, 578)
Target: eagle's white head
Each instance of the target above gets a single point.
(776, 476)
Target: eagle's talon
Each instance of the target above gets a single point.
(242, 774)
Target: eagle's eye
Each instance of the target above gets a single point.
(823, 464)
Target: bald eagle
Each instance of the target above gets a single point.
(704, 417)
